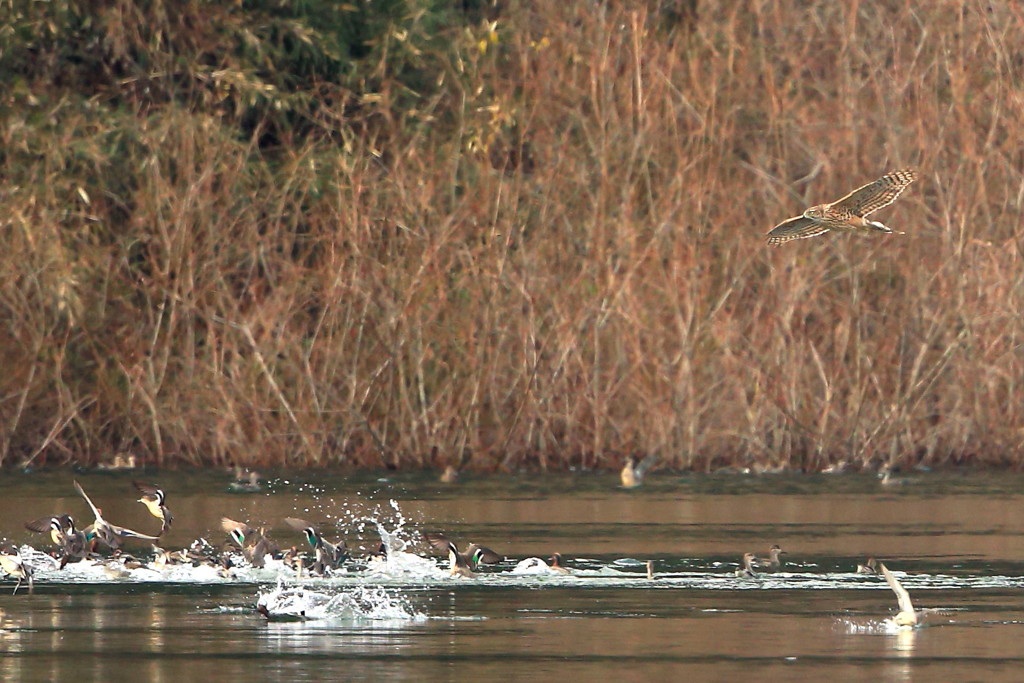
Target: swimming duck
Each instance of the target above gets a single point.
(450, 475)
(113, 569)
(869, 567)
(632, 474)
(886, 478)
(556, 564)
(747, 571)
(376, 558)
(163, 558)
(226, 568)
(773, 561)
(474, 555)
(122, 461)
(155, 501)
(533, 566)
(906, 616)
(110, 534)
(246, 481)
(127, 561)
(201, 552)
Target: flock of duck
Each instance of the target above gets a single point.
(101, 542)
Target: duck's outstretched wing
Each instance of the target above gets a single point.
(95, 510)
(902, 596)
(439, 541)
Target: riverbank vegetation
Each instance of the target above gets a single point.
(507, 234)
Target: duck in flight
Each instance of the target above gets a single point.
(110, 534)
(74, 545)
(156, 502)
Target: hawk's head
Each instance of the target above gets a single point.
(816, 213)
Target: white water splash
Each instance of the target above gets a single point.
(873, 626)
(363, 602)
(402, 565)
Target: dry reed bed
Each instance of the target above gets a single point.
(556, 261)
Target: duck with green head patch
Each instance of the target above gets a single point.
(472, 558)
(253, 543)
(76, 545)
(328, 555)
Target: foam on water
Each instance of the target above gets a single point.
(403, 568)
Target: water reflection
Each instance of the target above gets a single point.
(904, 641)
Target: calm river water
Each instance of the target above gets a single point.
(956, 541)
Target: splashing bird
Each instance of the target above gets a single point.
(253, 542)
(328, 555)
(906, 616)
(13, 565)
(632, 474)
(74, 545)
(474, 555)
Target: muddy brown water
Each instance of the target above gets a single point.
(956, 540)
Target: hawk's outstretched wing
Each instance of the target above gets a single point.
(795, 228)
(874, 196)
